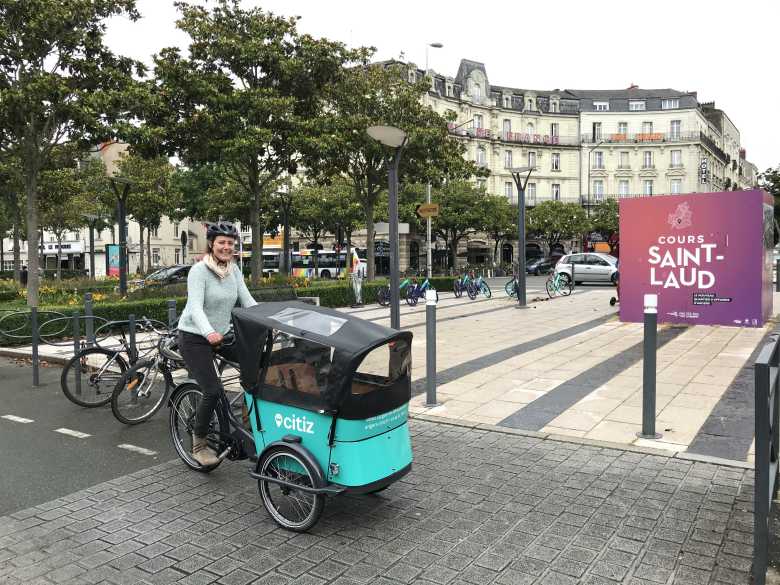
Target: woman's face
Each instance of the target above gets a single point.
(222, 248)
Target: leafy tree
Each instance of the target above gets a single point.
(370, 95)
(553, 221)
(11, 199)
(151, 196)
(500, 220)
(460, 213)
(312, 216)
(246, 98)
(769, 181)
(58, 83)
(605, 220)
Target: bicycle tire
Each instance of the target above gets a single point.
(139, 403)
(184, 404)
(383, 296)
(457, 289)
(485, 290)
(565, 287)
(550, 286)
(510, 289)
(411, 296)
(97, 376)
(472, 291)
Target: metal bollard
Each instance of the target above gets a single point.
(777, 276)
(430, 347)
(131, 335)
(89, 320)
(76, 349)
(572, 275)
(171, 313)
(648, 369)
(34, 336)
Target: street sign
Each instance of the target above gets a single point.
(428, 210)
(184, 237)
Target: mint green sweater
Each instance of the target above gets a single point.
(210, 300)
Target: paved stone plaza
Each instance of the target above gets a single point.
(480, 506)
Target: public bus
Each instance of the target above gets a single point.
(329, 264)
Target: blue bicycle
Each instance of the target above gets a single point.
(416, 291)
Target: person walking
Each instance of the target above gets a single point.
(214, 285)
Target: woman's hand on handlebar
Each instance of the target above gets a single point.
(214, 338)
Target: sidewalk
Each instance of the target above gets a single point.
(480, 506)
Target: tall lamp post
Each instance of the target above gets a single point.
(396, 139)
(592, 148)
(517, 175)
(428, 253)
(122, 219)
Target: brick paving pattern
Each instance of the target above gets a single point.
(479, 507)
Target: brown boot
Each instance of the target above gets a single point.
(202, 453)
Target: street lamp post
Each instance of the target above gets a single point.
(592, 148)
(517, 175)
(428, 253)
(92, 221)
(396, 139)
(122, 219)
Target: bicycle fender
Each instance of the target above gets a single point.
(180, 387)
(303, 452)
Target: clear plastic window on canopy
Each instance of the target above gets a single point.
(305, 320)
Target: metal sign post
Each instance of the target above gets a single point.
(183, 238)
(430, 347)
(648, 368)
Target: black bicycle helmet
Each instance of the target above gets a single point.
(220, 228)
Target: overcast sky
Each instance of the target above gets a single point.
(727, 52)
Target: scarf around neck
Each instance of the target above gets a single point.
(222, 270)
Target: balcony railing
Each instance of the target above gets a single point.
(675, 165)
(648, 167)
(716, 150)
(595, 201)
(640, 137)
(515, 137)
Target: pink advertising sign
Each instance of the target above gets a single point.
(706, 255)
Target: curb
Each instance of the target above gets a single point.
(682, 455)
(10, 353)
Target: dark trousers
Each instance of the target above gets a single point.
(198, 354)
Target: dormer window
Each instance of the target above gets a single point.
(636, 105)
(670, 104)
(601, 106)
(530, 104)
(477, 91)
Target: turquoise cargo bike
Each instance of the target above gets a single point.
(327, 399)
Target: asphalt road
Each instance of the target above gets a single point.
(38, 464)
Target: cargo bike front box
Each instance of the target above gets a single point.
(328, 399)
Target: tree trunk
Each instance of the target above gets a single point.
(58, 274)
(31, 192)
(495, 251)
(148, 249)
(349, 253)
(2, 252)
(284, 264)
(141, 249)
(17, 253)
(368, 207)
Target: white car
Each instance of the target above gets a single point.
(590, 267)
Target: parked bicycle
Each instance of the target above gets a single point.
(476, 286)
(99, 368)
(383, 294)
(558, 283)
(416, 291)
(460, 284)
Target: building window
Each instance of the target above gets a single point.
(596, 131)
(598, 190)
(647, 161)
(532, 159)
(598, 160)
(481, 157)
(508, 190)
(507, 101)
(624, 164)
(556, 192)
(176, 230)
(530, 104)
(481, 184)
(530, 191)
(601, 106)
(676, 159)
(674, 129)
(477, 120)
(477, 91)
(529, 128)
(647, 127)
(670, 104)
(177, 255)
(622, 127)
(555, 161)
(507, 126)
(508, 159)
(623, 187)
(676, 186)
(156, 256)
(554, 129)
(648, 187)
(636, 105)
(154, 233)
(554, 108)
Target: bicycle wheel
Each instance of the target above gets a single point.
(550, 286)
(99, 371)
(565, 287)
(291, 508)
(383, 296)
(457, 288)
(485, 290)
(184, 405)
(139, 393)
(411, 296)
(509, 288)
(472, 291)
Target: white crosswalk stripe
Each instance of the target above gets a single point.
(18, 419)
(137, 449)
(72, 433)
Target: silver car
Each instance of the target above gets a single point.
(590, 267)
